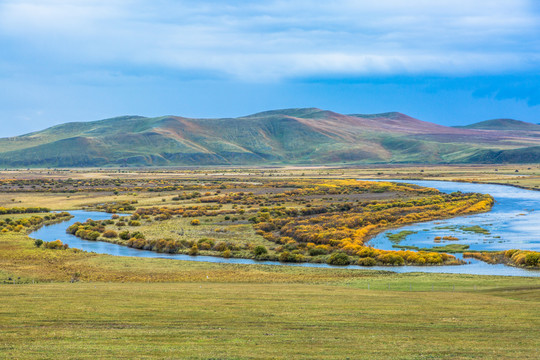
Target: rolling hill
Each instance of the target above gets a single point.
(289, 136)
(503, 124)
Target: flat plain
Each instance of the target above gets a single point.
(85, 305)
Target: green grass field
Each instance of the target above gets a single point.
(124, 308)
(205, 320)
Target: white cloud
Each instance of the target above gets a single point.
(262, 40)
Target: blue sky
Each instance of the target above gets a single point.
(451, 62)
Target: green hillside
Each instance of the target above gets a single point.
(290, 136)
(514, 156)
(503, 124)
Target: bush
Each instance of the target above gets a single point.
(532, 259)
(73, 228)
(38, 242)
(204, 246)
(56, 244)
(393, 259)
(195, 222)
(205, 243)
(290, 257)
(221, 246)
(367, 252)
(124, 235)
(338, 258)
(162, 217)
(134, 223)
(284, 256)
(109, 234)
(92, 235)
(260, 250)
(317, 251)
(136, 243)
(367, 261)
(194, 250)
(138, 235)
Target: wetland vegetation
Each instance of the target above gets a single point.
(290, 221)
(320, 215)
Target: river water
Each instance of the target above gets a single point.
(513, 223)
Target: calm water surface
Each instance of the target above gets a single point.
(514, 223)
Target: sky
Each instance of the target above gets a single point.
(452, 62)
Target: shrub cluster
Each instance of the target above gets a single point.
(306, 231)
(33, 222)
(164, 213)
(343, 228)
(55, 245)
(23, 210)
(521, 258)
(117, 206)
(190, 247)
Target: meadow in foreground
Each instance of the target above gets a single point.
(156, 308)
(209, 320)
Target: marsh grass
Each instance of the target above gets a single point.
(475, 229)
(400, 236)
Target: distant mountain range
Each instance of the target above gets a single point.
(290, 136)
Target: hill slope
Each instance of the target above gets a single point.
(290, 136)
(503, 124)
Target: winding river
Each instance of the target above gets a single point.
(513, 223)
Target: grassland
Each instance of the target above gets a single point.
(122, 307)
(521, 175)
(525, 176)
(157, 308)
(264, 321)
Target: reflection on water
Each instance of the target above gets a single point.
(514, 222)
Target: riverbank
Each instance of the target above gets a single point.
(507, 226)
(295, 221)
(512, 223)
(57, 231)
(22, 261)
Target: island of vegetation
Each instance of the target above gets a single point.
(512, 257)
(21, 222)
(327, 221)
